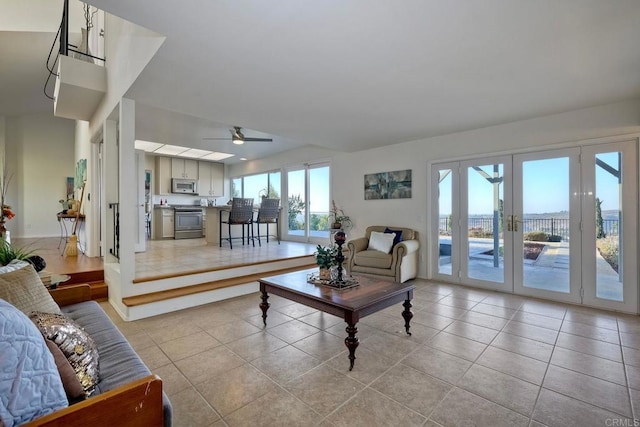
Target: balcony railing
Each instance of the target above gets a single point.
(550, 226)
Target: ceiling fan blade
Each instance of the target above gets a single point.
(258, 140)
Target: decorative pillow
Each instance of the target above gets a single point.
(14, 264)
(30, 386)
(398, 233)
(70, 381)
(75, 344)
(24, 290)
(382, 242)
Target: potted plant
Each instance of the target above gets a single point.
(325, 258)
(340, 220)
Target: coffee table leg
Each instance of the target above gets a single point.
(264, 305)
(407, 314)
(352, 343)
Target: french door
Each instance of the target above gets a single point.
(548, 224)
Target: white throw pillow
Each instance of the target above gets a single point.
(382, 242)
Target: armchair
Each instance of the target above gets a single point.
(401, 263)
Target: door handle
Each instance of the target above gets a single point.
(512, 222)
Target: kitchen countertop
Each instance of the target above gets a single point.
(176, 206)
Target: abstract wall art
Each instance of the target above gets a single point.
(388, 185)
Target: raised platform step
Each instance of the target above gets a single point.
(91, 276)
(99, 290)
(152, 297)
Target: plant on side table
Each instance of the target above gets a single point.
(340, 220)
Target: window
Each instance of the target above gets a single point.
(255, 186)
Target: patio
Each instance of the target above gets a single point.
(550, 271)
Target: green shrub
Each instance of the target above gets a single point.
(609, 248)
(480, 232)
(536, 236)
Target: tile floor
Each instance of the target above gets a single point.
(475, 358)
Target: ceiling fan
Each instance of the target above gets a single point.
(237, 137)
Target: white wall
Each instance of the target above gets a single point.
(40, 154)
(128, 49)
(83, 151)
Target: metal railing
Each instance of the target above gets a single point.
(550, 226)
(115, 249)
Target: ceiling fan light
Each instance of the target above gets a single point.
(236, 140)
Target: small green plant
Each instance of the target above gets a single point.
(536, 236)
(609, 248)
(9, 252)
(326, 256)
(340, 220)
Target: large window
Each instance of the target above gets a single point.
(256, 186)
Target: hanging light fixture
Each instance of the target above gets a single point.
(237, 137)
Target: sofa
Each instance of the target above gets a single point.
(126, 393)
(400, 262)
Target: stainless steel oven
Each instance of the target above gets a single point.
(187, 222)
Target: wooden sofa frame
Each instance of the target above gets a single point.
(138, 403)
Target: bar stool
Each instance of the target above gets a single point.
(241, 213)
(268, 214)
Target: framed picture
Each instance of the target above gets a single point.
(388, 185)
(81, 172)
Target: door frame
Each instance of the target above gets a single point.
(507, 284)
(629, 196)
(306, 167)
(575, 264)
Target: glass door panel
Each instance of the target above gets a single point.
(319, 222)
(297, 204)
(608, 218)
(546, 224)
(486, 247)
(308, 201)
(609, 208)
(445, 224)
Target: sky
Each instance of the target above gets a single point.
(318, 187)
(545, 187)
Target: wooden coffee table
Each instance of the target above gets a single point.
(370, 296)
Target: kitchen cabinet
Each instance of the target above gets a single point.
(164, 223)
(211, 179)
(163, 175)
(184, 168)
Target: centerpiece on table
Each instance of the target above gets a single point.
(325, 258)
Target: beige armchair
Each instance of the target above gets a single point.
(401, 263)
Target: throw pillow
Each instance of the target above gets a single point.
(382, 242)
(14, 264)
(398, 233)
(30, 386)
(24, 290)
(75, 343)
(70, 381)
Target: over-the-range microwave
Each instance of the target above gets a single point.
(184, 186)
